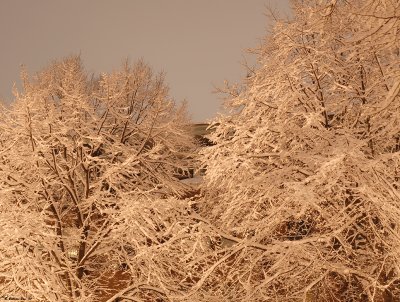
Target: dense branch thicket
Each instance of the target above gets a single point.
(303, 185)
(87, 180)
(301, 197)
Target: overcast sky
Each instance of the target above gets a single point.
(198, 43)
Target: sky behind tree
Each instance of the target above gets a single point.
(199, 44)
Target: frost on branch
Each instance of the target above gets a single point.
(303, 182)
(87, 186)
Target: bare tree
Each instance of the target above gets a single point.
(301, 197)
(302, 187)
(88, 194)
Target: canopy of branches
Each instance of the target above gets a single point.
(301, 196)
(87, 172)
(305, 172)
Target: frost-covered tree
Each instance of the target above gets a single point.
(302, 191)
(89, 197)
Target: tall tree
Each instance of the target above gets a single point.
(88, 193)
(302, 186)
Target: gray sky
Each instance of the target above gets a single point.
(198, 43)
